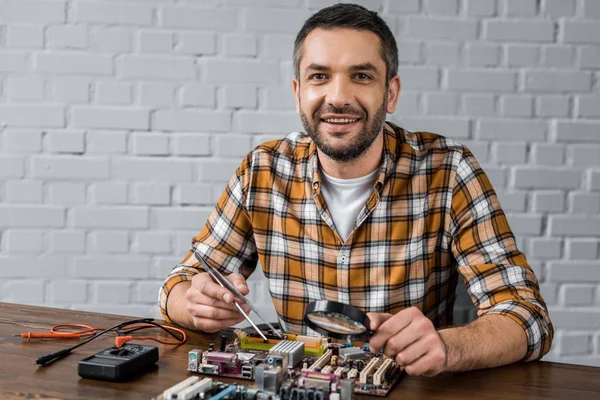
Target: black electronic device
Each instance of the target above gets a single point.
(118, 364)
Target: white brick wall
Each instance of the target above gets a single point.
(121, 122)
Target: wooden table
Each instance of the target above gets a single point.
(20, 378)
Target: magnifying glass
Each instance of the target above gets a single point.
(337, 320)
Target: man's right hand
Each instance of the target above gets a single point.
(210, 306)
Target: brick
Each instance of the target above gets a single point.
(522, 55)
(555, 81)
(71, 63)
(208, 19)
(441, 103)
(577, 295)
(414, 78)
(111, 40)
(548, 154)
(581, 32)
(233, 145)
(519, 8)
(188, 120)
(546, 178)
(148, 169)
(452, 127)
(71, 89)
(32, 116)
(67, 37)
(112, 13)
(279, 46)
(23, 191)
(111, 267)
(67, 291)
(198, 194)
(549, 292)
(589, 57)
(156, 94)
(586, 203)
(149, 144)
(197, 43)
(482, 55)
(217, 171)
(155, 67)
(440, 7)
(558, 56)
(548, 201)
(441, 28)
(11, 166)
(152, 193)
(484, 81)
(24, 241)
(584, 155)
(578, 131)
(173, 218)
(558, 8)
(552, 106)
(516, 105)
(273, 20)
(26, 88)
(113, 93)
(148, 291)
(245, 96)
(409, 51)
(588, 106)
(244, 45)
(25, 36)
(13, 61)
(109, 241)
(513, 130)
(575, 319)
(66, 141)
(68, 242)
(112, 292)
(152, 243)
(574, 225)
(409, 103)
(109, 117)
(155, 41)
(518, 31)
(70, 167)
(268, 122)
(591, 9)
(242, 71)
(513, 202)
(66, 193)
(575, 343)
(525, 224)
(404, 7)
(51, 267)
(24, 292)
(196, 94)
(22, 140)
(481, 8)
(30, 216)
(192, 144)
(582, 249)
(510, 153)
(33, 11)
(478, 105)
(479, 148)
(100, 142)
(110, 217)
(108, 193)
(594, 180)
(446, 54)
(545, 249)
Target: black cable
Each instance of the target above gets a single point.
(128, 331)
(50, 358)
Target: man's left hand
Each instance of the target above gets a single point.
(410, 338)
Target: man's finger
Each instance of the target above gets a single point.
(239, 282)
(377, 319)
(205, 285)
(397, 343)
(196, 297)
(204, 311)
(388, 329)
(210, 325)
(412, 353)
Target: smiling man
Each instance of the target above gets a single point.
(361, 211)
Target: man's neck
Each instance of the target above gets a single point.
(355, 168)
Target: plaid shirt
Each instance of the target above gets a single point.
(431, 216)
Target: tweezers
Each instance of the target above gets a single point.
(224, 282)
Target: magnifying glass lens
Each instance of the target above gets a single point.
(335, 322)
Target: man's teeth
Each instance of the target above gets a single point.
(340, 120)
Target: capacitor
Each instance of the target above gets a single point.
(223, 343)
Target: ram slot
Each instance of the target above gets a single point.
(167, 394)
(196, 390)
(379, 375)
(322, 361)
(368, 370)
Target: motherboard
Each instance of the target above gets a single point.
(297, 367)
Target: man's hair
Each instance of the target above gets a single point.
(352, 16)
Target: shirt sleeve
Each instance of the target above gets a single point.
(226, 242)
(495, 272)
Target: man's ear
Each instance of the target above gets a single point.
(394, 89)
(296, 87)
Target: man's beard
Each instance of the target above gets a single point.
(359, 144)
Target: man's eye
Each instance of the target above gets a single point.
(317, 77)
(362, 76)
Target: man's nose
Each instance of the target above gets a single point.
(339, 93)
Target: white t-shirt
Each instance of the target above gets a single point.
(345, 198)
